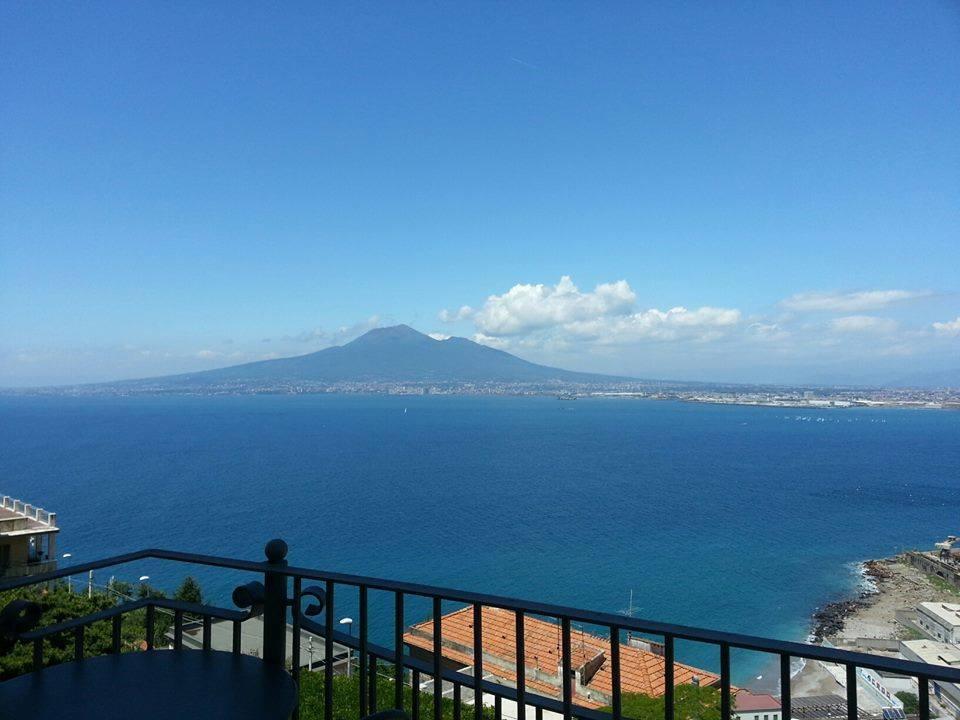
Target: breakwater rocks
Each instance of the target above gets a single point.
(829, 620)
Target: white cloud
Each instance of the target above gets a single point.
(463, 313)
(767, 331)
(438, 336)
(848, 302)
(679, 322)
(524, 308)
(552, 316)
(862, 324)
(494, 342)
(950, 328)
(208, 354)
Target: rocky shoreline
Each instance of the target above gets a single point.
(830, 620)
(889, 586)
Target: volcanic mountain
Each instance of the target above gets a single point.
(391, 354)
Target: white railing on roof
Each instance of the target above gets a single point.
(29, 511)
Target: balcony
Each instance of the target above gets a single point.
(32, 567)
(465, 645)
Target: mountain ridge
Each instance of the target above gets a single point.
(395, 354)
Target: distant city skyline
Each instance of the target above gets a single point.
(736, 193)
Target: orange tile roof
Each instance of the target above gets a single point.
(641, 671)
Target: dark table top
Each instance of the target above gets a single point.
(166, 684)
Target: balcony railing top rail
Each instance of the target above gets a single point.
(272, 599)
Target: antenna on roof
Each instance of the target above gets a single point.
(628, 611)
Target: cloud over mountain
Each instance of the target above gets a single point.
(556, 314)
(533, 307)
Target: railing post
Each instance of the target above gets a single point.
(785, 701)
(923, 697)
(115, 645)
(852, 710)
(724, 681)
(275, 605)
(151, 612)
(668, 685)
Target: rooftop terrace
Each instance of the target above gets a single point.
(20, 518)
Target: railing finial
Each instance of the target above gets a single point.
(275, 550)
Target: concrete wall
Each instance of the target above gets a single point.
(932, 566)
(936, 628)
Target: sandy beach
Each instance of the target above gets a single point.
(891, 586)
(897, 587)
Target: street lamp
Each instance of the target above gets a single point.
(349, 623)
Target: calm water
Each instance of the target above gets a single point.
(736, 518)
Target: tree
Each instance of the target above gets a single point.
(58, 604)
(145, 591)
(911, 703)
(189, 591)
(120, 588)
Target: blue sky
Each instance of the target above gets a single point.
(740, 191)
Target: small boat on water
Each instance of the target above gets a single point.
(566, 396)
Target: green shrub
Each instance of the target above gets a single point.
(57, 605)
(346, 698)
(690, 703)
(911, 703)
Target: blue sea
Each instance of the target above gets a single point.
(736, 518)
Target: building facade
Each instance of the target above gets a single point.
(748, 706)
(940, 621)
(937, 653)
(28, 538)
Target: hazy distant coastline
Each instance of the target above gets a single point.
(798, 398)
(399, 360)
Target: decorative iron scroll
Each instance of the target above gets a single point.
(320, 595)
(18, 617)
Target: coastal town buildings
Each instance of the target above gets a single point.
(940, 621)
(748, 706)
(28, 538)
(641, 670)
(937, 653)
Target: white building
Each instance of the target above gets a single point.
(940, 621)
(28, 538)
(936, 653)
(748, 706)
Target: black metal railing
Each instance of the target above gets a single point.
(282, 591)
